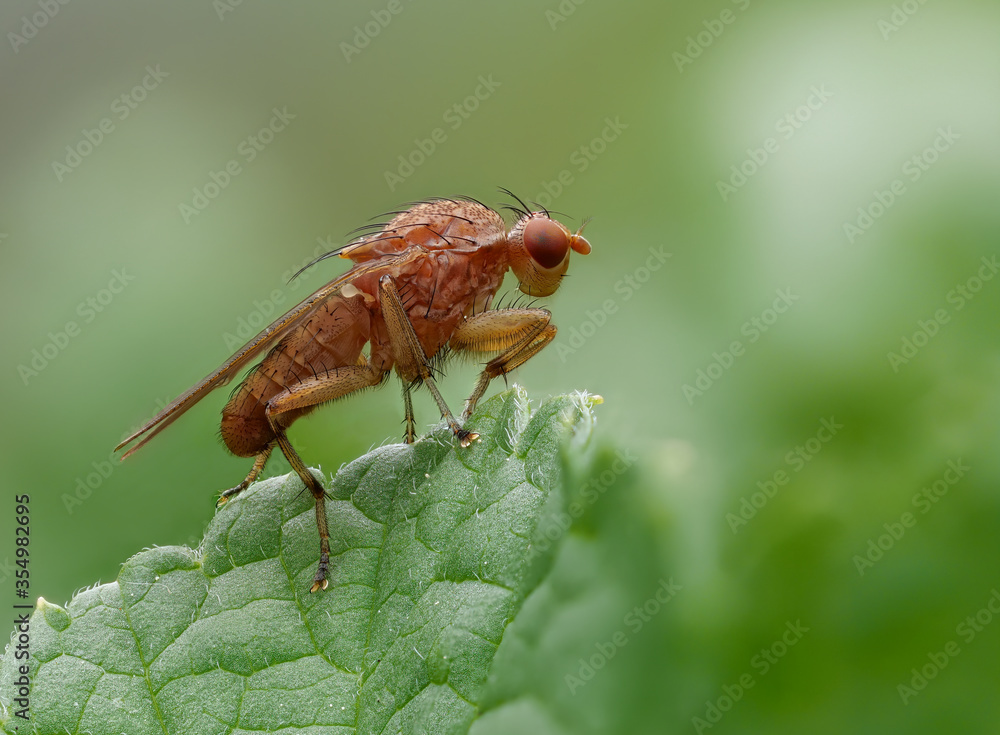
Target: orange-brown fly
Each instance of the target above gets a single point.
(448, 257)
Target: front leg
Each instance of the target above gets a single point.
(518, 334)
(411, 362)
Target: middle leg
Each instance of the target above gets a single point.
(411, 362)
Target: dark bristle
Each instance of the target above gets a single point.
(373, 228)
(473, 200)
(430, 303)
(430, 200)
(524, 207)
(449, 239)
(314, 261)
(516, 210)
(542, 209)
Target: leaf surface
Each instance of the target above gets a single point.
(433, 552)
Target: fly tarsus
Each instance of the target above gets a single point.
(466, 438)
(410, 435)
(258, 467)
(320, 581)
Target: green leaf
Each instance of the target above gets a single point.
(433, 552)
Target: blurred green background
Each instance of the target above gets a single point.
(821, 183)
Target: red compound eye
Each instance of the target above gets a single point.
(547, 243)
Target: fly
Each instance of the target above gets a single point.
(421, 283)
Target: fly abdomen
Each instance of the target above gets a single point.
(331, 338)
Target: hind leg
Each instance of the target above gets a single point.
(312, 392)
(258, 467)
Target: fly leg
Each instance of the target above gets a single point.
(411, 362)
(258, 467)
(411, 425)
(311, 392)
(518, 334)
(319, 494)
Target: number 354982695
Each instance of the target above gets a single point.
(21, 533)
